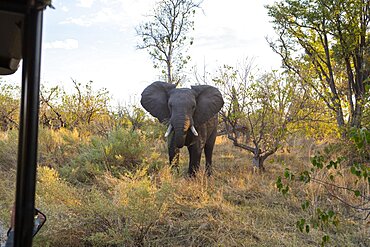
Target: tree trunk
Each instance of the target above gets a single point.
(169, 73)
(358, 112)
(258, 162)
(258, 158)
(339, 113)
(335, 99)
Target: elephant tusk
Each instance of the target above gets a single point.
(192, 128)
(168, 131)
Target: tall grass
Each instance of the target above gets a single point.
(119, 191)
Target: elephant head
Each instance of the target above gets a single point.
(183, 108)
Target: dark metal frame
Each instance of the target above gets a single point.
(28, 126)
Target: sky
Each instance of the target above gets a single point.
(95, 40)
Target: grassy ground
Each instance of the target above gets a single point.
(237, 206)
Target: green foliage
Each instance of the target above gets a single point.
(318, 219)
(361, 171)
(58, 147)
(361, 137)
(322, 219)
(284, 189)
(360, 168)
(326, 173)
(326, 43)
(258, 112)
(131, 116)
(84, 108)
(9, 106)
(123, 150)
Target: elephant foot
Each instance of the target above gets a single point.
(191, 173)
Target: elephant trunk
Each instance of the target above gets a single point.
(180, 136)
(181, 127)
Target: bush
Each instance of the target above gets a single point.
(7, 188)
(336, 187)
(118, 190)
(119, 213)
(8, 150)
(79, 159)
(58, 147)
(144, 204)
(124, 150)
(60, 202)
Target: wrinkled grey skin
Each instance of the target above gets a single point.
(183, 108)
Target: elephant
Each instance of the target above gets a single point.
(192, 118)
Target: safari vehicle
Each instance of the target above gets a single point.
(20, 40)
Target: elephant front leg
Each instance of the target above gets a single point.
(208, 151)
(195, 153)
(173, 154)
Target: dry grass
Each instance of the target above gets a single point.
(234, 207)
(238, 207)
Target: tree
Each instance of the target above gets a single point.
(257, 112)
(86, 107)
(50, 112)
(327, 44)
(130, 116)
(9, 106)
(165, 36)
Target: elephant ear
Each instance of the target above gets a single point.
(154, 99)
(209, 103)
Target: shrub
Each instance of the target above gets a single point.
(8, 150)
(81, 159)
(58, 147)
(121, 212)
(124, 150)
(144, 204)
(60, 202)
(336, 188)
(7, 188)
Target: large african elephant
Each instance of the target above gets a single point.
(191, 115)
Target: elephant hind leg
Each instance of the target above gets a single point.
(208, 151)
